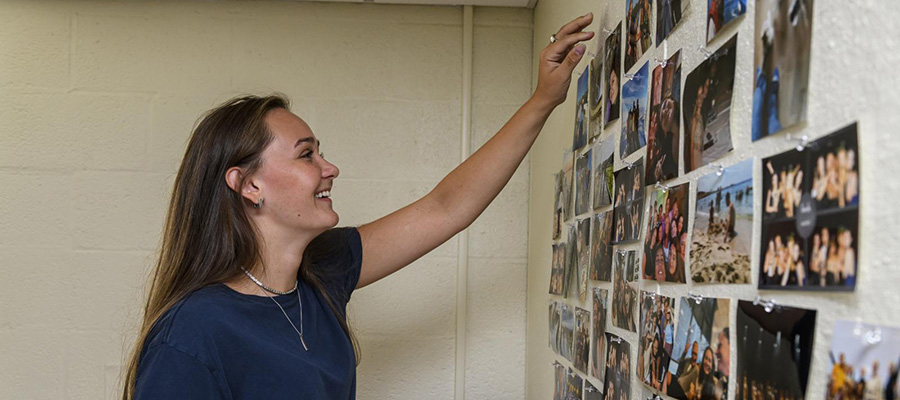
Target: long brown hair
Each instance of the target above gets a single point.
(208, 234)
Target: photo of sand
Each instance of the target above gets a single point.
(723, 226)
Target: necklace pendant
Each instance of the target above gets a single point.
(303, 342)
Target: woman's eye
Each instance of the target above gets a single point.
(306, 154)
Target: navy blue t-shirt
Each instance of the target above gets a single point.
(218, 343)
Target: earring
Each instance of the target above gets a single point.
(259, 204)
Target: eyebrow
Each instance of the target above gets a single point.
(308, 139)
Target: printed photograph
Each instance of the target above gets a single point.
(664, 129)
(637, 30)
(591, 392)
(601, 249)
(625, 298)
(666, 239)
(629, 203)
(657, 339)
(568, 173)
(554, 326)
(810, 224)
(574, 385)
(558, 269)
(706, 108)
(566, 331)
(723, 226)
(598, 333)
(584, 256)
(583, 183)
(634, 108)
(781, 64)
(582, 111)
(835, 182)
(630, 258)
(774, 350)
(602, 170)
(701, 361)
(571, 284)
(595, 93)
(618, 369)
(864, 362)
(668, 15)
(613, 73)
(560, 383)
(720, 13)
(582, 339)
(558, 205)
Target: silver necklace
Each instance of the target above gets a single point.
(296, 284)
(256, 281)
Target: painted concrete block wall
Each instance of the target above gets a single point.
(854, 54)
(98, 100)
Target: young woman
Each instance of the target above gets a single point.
(249, 294)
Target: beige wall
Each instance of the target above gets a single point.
(98, 99)
(854, 55)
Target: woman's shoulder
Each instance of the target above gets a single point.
(193, 321)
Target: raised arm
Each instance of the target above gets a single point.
(396, 240)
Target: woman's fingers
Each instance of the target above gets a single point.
(575, 25)
(562, 46)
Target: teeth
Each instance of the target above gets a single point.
(326, 193)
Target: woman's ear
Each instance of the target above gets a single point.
(249, 190)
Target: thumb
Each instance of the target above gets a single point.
(573, 57)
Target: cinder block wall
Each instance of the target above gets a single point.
(98, 100)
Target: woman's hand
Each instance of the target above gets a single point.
(558, 60)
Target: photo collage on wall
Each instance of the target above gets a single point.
(774, 350)
(701, 358)
(602, 266)
(723, 226)
(810, 227)
(706, 108)
(657, 339)
(665, 241)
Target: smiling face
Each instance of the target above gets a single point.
(294, 179)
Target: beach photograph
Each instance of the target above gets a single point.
(723, 226)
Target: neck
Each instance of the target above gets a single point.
(281, 252)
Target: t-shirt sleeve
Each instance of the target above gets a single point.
(169, 373)
(355, 247)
